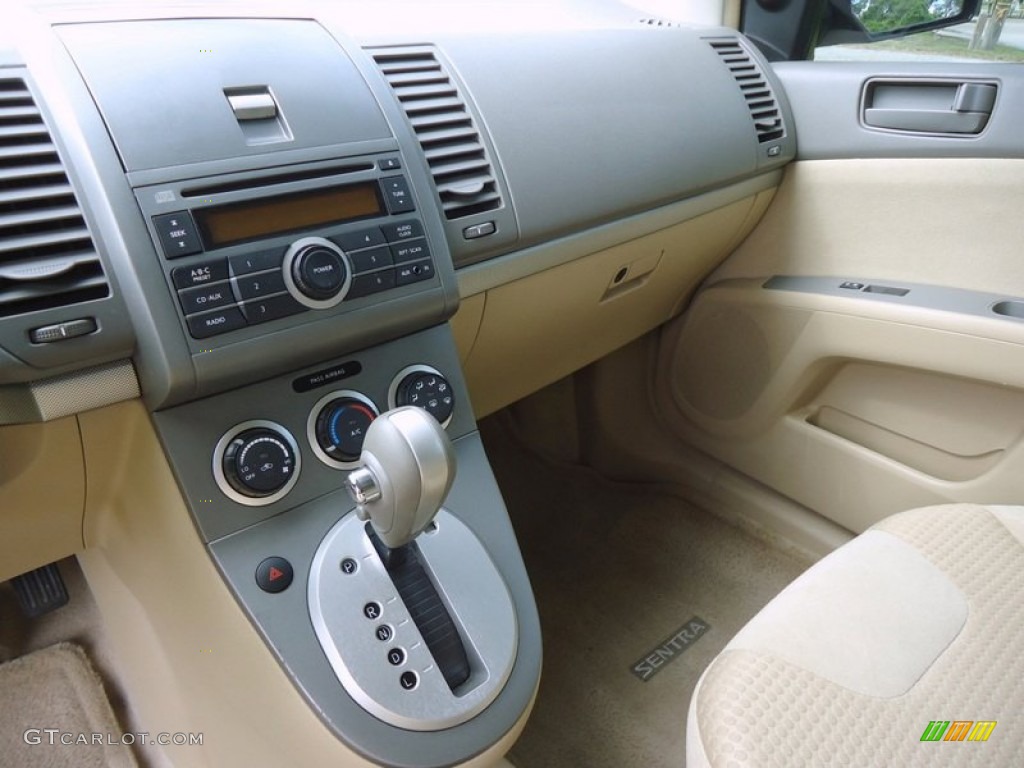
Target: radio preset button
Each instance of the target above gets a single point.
(411, 251)
(260, 284)
(200, 274)
(204, 297)
(397, 194)
(375, 282)
(177, 234)
(273, 308)
(403, 230)
(259, 261)
(374, 258)
(361, 238)
(213, 323)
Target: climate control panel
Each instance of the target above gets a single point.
(257, 462)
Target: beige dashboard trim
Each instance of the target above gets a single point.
(947, 222)
(529, 261)
(42, 494)
(538, 329)
(192, 661)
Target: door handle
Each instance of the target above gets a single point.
(926, 120)
(929, 106)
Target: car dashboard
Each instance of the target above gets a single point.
(256, 227)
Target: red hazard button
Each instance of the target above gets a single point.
(274, 574)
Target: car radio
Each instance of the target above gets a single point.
(243, 251)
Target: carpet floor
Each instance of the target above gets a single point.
(79, 622)
(54, 713)
(618, 569)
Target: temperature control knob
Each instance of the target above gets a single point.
(317, 272)
(259, 462)
(426, 388)
(341, 427)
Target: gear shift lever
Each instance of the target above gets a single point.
(408, 465)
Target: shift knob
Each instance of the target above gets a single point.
(406, 470)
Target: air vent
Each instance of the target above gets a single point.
(456, 155)
(47, 257)
(764, 108)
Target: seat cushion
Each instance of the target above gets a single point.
(919, 619)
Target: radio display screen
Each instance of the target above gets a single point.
(237, 222)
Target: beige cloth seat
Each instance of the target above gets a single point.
(919, 619)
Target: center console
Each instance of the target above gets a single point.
(293, 286)
(287, 537)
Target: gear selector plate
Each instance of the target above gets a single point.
(373, 643)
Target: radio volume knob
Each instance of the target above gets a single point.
(317, 272)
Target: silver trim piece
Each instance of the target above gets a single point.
(314, 414)
(218, 463)
(413, 462)
(252, 106)
(362, 486)
(473, 591)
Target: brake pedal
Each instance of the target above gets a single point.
(40, 591)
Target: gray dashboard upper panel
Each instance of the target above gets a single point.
(826, 99)
(619, 120)
(592, 118)
(163, 94)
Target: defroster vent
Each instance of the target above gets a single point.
(763, 106)
(47, 257)
(462, 171)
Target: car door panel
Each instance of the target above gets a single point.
(827, 99)
(881, 368)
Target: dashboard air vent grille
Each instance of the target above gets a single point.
(763, 106)
(458, 160)
(47, 257)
